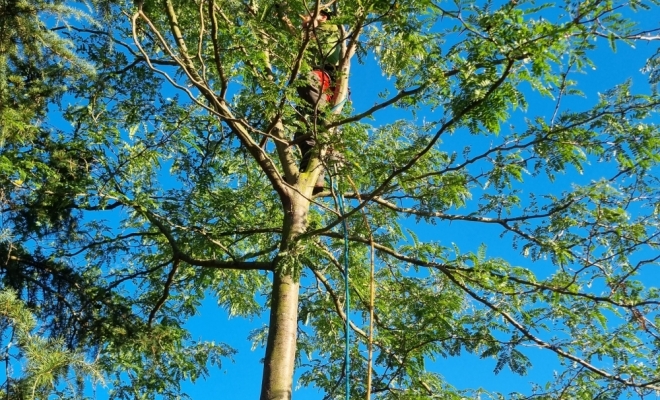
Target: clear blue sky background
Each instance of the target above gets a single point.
(241, 378)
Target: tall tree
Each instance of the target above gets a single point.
(192, 188)
(46, 169)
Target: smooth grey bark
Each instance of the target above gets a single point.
(281, 348)
(279, 361)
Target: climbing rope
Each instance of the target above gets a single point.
(347, 308)
(340, 200)
(372, 290)
(338, 106)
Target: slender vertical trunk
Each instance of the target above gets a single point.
(277, 381)
(281, 348)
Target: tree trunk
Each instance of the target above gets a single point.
(281, 348)
(277, 381)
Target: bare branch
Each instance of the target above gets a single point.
(216, 50)
(166, 291)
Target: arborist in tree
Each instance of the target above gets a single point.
(319, 90)
(324, 41)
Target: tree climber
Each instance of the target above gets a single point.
(326, 50)
(319, 88)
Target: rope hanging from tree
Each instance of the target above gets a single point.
(347, 306)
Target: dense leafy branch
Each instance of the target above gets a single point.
(446, 126)
(543, 344)
(178, 254)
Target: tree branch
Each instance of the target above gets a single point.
(166, 291)
(413, 160)
(543, 344)
(177, 253)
